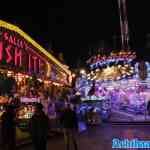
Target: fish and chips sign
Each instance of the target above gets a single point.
(16, 52)
(19, 52)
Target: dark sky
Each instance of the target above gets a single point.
(75, 27)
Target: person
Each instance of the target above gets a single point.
(59, 107)
(8, 129)
(39, 127)
(70, 125)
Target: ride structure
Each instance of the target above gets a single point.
(118, 76)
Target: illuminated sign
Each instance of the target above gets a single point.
(28, 100)
(15, 52)
(19, 52)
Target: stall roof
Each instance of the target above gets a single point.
(29, 39)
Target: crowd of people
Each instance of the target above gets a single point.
(39, 126)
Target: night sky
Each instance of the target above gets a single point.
(74, 28)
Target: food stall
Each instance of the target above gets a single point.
(21, 57)
(31, 66)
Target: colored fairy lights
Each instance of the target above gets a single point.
(114, 57)
(116, 66)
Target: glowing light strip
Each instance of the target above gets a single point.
(107, 62)
(29, 39)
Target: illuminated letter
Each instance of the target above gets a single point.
(21, 44)
(18, 54)
(26, 46)
(6, 36)
(14, 40)
(116, 143)
(9, 58)
(1, 50)
(11, 40)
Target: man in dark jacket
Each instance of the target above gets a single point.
(8, 129)
(38, 127)
(70, 124)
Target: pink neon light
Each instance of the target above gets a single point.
(1, 50)
(6, 36)
(18, 54)
(9, 58)
(20, 43)
(18, 46)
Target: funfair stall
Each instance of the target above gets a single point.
(37, 73)
(33, 68)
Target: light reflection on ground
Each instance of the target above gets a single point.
(100, 138)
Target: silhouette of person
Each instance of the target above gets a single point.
(70, 124)
(38, 128)
(9, 129)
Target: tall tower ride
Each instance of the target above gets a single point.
(124, 25)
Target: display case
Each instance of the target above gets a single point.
(23, 115)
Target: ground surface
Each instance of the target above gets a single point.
(100, 137)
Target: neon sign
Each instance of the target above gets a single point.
(16, 52)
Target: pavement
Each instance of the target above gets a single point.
(99, 137)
